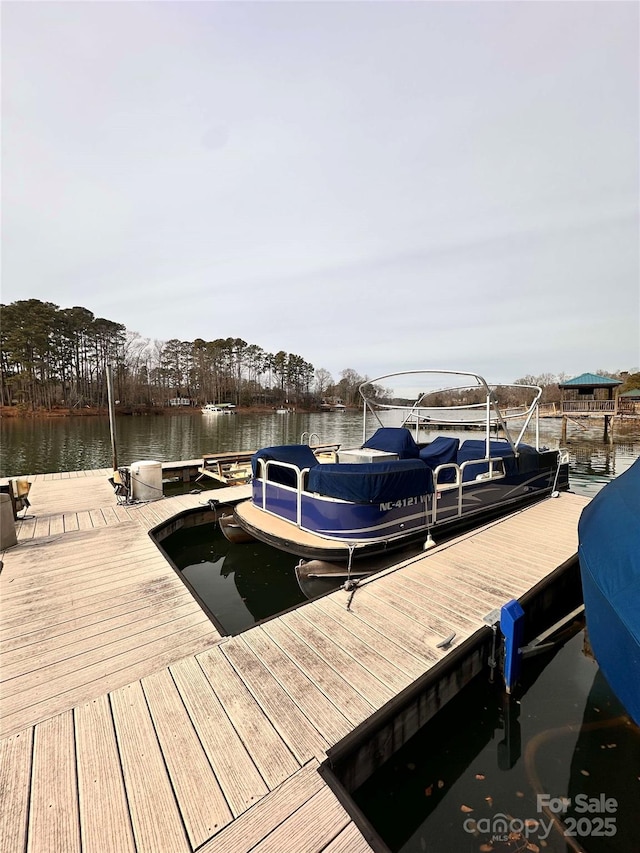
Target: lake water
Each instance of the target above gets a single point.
(472, 778)
(39, 446)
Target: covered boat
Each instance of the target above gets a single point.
(609, 554)
(402, 483)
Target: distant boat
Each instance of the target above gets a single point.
(222, 409)
(609, 554)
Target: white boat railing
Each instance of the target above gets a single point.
(422, 415)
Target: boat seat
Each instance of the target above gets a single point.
(440, 451)
(300, 455)
(475, 448)
(393, 440)
(371, 482)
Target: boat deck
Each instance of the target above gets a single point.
(129, 724)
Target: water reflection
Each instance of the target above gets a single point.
(47, 445)
(238, 584)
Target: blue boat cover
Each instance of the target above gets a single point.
(609, 553)
(394, 440)
(300, 455)
(371, 482)
(438, 452)
(476, 448)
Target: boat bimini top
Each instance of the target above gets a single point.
(423, 399)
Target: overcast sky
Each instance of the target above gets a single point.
(370, 185)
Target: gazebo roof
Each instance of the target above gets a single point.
(635, 392)
(590, 380)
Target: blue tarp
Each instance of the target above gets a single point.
(609, 553)
(371, 482)
(295, 454)
(394, 440)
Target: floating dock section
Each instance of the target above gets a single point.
(128, 723)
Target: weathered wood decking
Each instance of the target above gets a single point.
(129, 724)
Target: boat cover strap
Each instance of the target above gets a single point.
(371, 482)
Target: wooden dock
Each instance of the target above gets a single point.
(129, 724)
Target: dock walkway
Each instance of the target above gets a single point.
(129, 724)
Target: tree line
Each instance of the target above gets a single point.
(58, 357)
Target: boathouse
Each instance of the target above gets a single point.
(629, 402)
(589, 395)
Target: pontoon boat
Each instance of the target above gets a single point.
(404, 482)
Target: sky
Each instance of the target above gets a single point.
(378, 186)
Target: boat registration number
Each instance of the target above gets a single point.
(385, 507)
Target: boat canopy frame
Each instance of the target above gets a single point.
(488, 413)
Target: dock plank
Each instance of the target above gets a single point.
(347, 666)
(56, 524)
(350, 840)
(63, 672)
(366, 655)
(187, 763)
(410, 664)
(310, 828)
(254, 825)
(401, 596)
(294, 728)
(105, 675)
(269, 752)
(70, 522)
(237, 775)
(319, 710)
(104, 813)
(334, 687)
(53, 812)
(85, 521)
(64, 609)
(391, 623)
(49, 658)
(155, 817)
(15, 786)
(463, 598)
(92, 617)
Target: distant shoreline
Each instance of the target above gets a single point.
(125, 411)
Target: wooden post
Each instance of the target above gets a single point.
(563, 432)
(608, 433)
(112, 418)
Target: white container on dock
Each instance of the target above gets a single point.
(146, 481)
